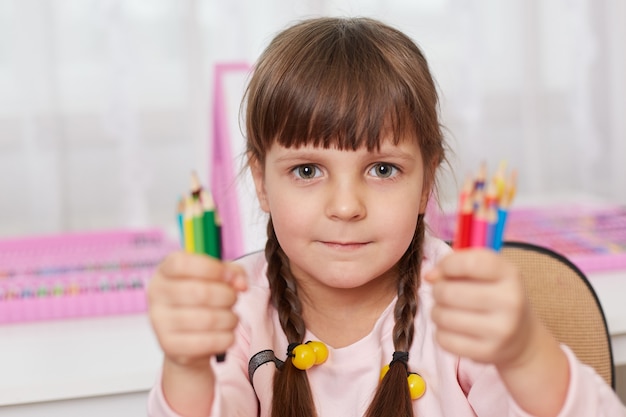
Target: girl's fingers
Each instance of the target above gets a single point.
(201, 320)
(190, 305)
(466, 295)
(471, 264)
(186, 292)
(189, 345)
(184, 265)
(464, 345)
(190, 265)
(479, 305)
(186, 279)
(192, 333)
(475, 325)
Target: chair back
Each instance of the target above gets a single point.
(566, 303)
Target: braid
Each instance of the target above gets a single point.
(392, 399)
(283, 288)
(408, 282)
(292, 392)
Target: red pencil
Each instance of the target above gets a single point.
(465, 225)
(464, 196)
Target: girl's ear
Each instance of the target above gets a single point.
(256, 169)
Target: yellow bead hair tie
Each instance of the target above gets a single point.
(303, 356)
(417, 385)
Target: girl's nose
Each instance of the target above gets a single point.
(346, 201)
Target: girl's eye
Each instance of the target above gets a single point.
(306, 172)
(382, 170)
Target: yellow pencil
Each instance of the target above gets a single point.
(188, 231)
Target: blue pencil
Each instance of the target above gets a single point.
(499, 229)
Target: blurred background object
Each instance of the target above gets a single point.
(105, 105)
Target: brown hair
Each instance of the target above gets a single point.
(340, 82)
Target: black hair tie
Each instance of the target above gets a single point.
(290, 349)
(417, 385)
(399, 356)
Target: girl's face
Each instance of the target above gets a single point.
(344, 218)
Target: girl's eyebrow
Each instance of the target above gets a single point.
(298, 155)
(392, 153)
(308, 155)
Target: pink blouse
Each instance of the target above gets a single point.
(345, 383)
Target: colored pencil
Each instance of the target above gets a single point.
(483, 209)
(188, 231)
(505, 202)
(478, 236)
(200, 225)
(461, 226)
(180, 209)
(466, 221)
(211, 228)
(492, 222)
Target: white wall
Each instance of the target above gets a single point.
(105, 104)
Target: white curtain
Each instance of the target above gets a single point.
(105, 104)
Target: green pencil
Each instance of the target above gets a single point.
(198, 227)
(211, 230)
(212, 235)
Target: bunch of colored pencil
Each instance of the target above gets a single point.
(200, 225)
(199, 222)
(483, 209)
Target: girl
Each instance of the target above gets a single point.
(343, 145)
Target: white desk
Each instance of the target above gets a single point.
(100, 366)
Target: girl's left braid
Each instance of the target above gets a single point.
(408, 283)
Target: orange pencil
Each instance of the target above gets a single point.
(491, 196)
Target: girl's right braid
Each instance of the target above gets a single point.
(283, 288)
(292, 392)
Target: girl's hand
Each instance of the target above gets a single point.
(481, 311)
(190, 307)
